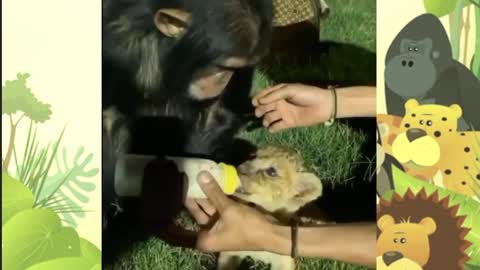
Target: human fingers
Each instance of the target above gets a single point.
(278, 126)
(265, 92)
(198, 214)
(263, 109)
(213, 191)
(206, 206)
(271, 117)
(276, 95)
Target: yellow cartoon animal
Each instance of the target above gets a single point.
(405, 243)
(395, 261)
(428, 145)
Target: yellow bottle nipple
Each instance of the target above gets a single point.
(231, 178)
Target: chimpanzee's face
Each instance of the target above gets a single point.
(208, 47)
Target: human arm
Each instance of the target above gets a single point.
(240, 227)
(353, 243)
(296, 105)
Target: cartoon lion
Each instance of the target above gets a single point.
(417, 231)
(426, 142)
(406, 239)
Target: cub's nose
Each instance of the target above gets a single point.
(391, 257)
(242, 169)
(415, 133)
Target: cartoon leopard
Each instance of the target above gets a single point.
(426, 142)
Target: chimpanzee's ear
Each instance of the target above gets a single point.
(172, 22)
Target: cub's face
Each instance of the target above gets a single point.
(276, 180)
(426, 128)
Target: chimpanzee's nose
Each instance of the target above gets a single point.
(415, 133)
(410, 63)
(391, 257)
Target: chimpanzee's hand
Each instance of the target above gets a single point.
(162, 193)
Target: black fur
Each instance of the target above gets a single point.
(146, 75)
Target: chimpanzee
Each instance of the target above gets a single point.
(177, 74)
(419, 64)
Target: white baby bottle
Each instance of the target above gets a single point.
(130, 168)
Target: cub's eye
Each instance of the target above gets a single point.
(421, 122)
(416, 49)
(272, 172)
(410, 49)
(403, 240)
(395, 240)
(429, 123)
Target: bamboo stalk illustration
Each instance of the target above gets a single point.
(476, 61)
(456, 29)
(466, 27)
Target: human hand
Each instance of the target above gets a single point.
(237, 227)
(293, 105)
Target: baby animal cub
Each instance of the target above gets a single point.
(276, 181)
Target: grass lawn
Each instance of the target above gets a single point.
(334, 153)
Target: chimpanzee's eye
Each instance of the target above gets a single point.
(429, 123)
(410, 49)
(416, 49)
(272, 172)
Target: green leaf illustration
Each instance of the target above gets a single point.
(34, 236)
(441, 8)
(74, 177)
(17, 97)
(36, 163)
(73, 263)
(472, 267)
(467, 206)
(90, 252)
(15, 197)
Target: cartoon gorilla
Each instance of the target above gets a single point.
(419, 64)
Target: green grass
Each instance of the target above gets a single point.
(332, 152)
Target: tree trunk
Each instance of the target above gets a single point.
(8, 155)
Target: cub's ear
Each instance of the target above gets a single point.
(172, 22)
(429, 224)
(457, 110)
(411, 104)
(385, 221)
(308, 187)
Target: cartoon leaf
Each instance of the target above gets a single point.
(472, 267)
(70, 263)
(15, 197)
(74, 177)
(90, 252)
(441, 8)
(36, 235)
